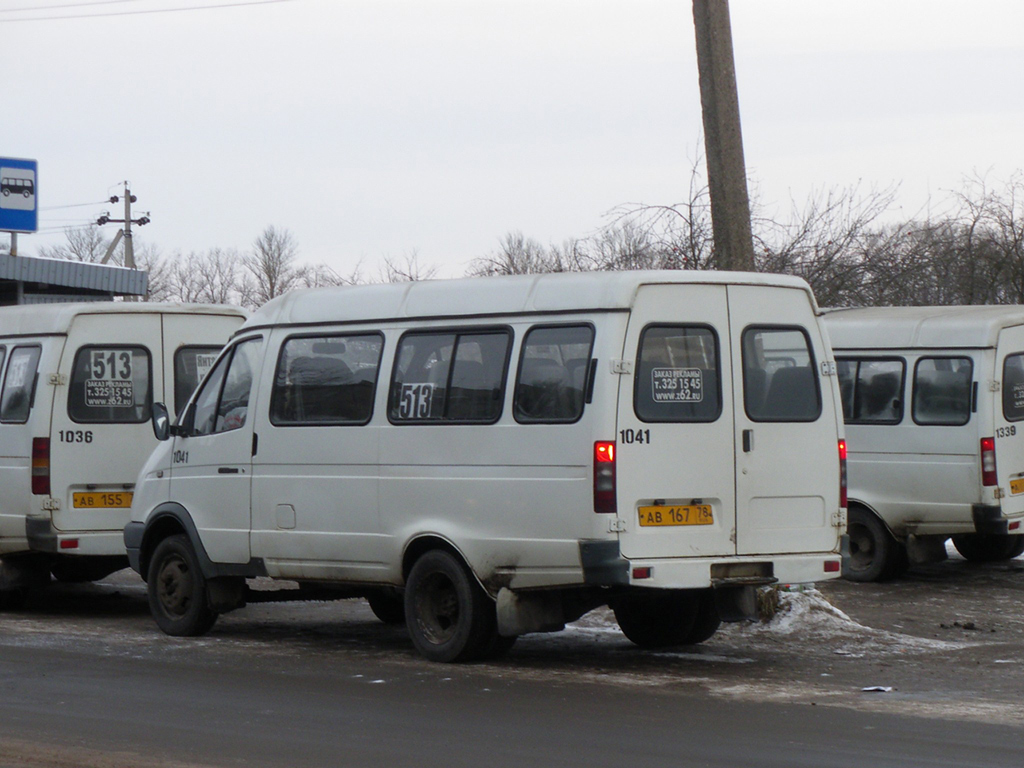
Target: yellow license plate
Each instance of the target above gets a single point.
(689, 514)
(101, 500)
(1017, 486)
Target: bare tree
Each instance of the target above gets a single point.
(81, 244)
(270, 267)
(824, 242)
(159, 280)
(518, 255)
(406, 269)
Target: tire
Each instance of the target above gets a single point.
(658, 619)
(1018, 546)
(388, 606)
(76, 570)
(449, 616)
(875, 555)
(707, 620)
(177, 589)
(987, 547)
(13, 599)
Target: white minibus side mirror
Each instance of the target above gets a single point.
(161, 421)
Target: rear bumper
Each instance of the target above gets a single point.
(989, 519)
(43, 538)
(603, 565)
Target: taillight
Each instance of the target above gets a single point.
(842, 473)
(988, 461)
(604, 477)
(41, 466)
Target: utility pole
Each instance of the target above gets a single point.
(126, 233)
(723, 141)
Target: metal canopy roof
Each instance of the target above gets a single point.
(82, 276)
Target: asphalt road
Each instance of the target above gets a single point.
(86, 680)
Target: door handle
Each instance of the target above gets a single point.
(228, 470)
(748, 440)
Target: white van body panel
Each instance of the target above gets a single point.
(925, 479)
(90, 456)
(345, 503)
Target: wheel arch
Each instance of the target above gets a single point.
(170, 519)
(863, 505)
(425, 542)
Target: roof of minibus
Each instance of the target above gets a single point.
(490, 296)
(920, 327)
(39, 319)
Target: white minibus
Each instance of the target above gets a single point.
(932, 397)
(487, 457)
(77, 383)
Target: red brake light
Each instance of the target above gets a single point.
(604, 476)
(988, 461)
(842, 473)
(41, 466)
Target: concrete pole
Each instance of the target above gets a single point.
(723, 141)
(129, 252)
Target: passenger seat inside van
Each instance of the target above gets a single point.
(788, 395)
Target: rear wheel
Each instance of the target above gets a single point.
(707, 620)
(387, 605)
(177, 589)
(72, 570)
(875, 555)
(660, 618)
(449, 616)
(12, 599)
(988, 547)
(1018, 546)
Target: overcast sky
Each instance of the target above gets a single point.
(377, 128)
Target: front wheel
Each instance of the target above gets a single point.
(449, 616)
(177, 589)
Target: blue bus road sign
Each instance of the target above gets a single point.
(19, 195)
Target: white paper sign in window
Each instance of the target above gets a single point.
(110, 379)
(416, 401)
(677, 385)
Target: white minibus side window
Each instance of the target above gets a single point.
(677, 374)
(325, 380)
(449, 377)
(191, 364)
(223, 402)
(779, 381)
(19, 384)
(871, 389)
(942, 391)
(552, 380)
(110, 385)
(1013, 387)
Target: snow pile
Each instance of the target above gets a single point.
(809, 611)
(808, 615)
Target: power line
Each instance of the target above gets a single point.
(66, 5)
(149, 11)
(73, 205)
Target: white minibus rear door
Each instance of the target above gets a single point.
(1008, 418)
(787, 466)
(100, 431)
(675, 477)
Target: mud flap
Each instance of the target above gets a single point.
(736, 602)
